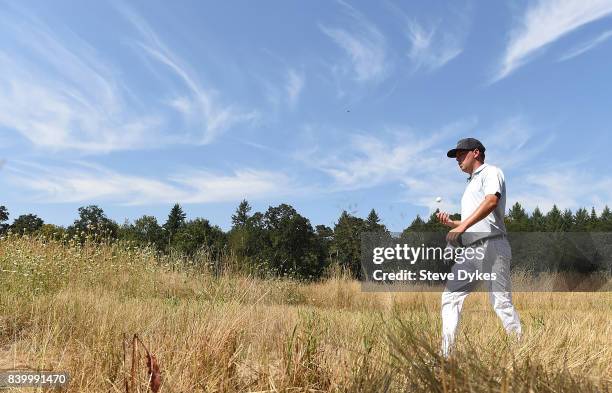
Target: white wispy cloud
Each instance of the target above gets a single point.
(204, 186)
(59, 94)
(294, 86)
(201, 106)
(568, 187)
(364, 43)
(413, 160)
(587, 46)
(417, 162)
(515, 143)
(543, 23)
(432, 44)
(430, 48)
(82, 182)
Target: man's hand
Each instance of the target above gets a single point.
(453, 235)
(444, 218)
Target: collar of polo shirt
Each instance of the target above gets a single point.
(480, 168)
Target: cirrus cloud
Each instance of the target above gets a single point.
(543, 23)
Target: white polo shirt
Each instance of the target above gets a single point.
(485, 180)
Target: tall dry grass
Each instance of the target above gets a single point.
(67, 307)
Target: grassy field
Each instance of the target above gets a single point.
(68, 308)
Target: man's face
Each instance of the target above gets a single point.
(466, 160)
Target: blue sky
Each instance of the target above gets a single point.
(327, 106)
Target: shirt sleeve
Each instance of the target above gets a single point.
(493, 182)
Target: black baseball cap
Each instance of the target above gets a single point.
(466, 144)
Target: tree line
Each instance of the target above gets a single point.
(279, 241)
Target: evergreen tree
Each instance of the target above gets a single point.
(417, 225)
(593, 224)
(553, 221)
(26, 224)
(373, 223)
(241, 234)
(517, 213)
(581, 220)
(536, 221)
(249, 242)
(346, 247)
(567, 221)
(517, 219)
(605, 220)
(241, 217)
(4, 216)
(175, 221)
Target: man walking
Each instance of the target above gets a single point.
(482, 225)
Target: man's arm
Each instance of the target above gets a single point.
(486, 207)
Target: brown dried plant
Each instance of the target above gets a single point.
(153, 368)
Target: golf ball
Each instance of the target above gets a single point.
(438, 199)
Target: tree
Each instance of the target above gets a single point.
(198, 234)
(93, 222)
(517, 219)
(256, 240)
(567, 221)
(373, 223)
(593, 224)
(517, 213)
(346, 246)
(26, 224)
(241, 217)
(553, 222)
(605, 220)
(417, 225)
(323, 231)
(50, 231)
(145, 231)
(293, 246)
(175, 221)
(240, 234)
(280, 242)
(148, 230)
(536, 221)
(581, 220)
(4, 216)
(325, 237)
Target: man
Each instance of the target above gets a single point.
(482, 225)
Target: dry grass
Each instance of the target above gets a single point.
(68, 308)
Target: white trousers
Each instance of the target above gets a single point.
(497, 257)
